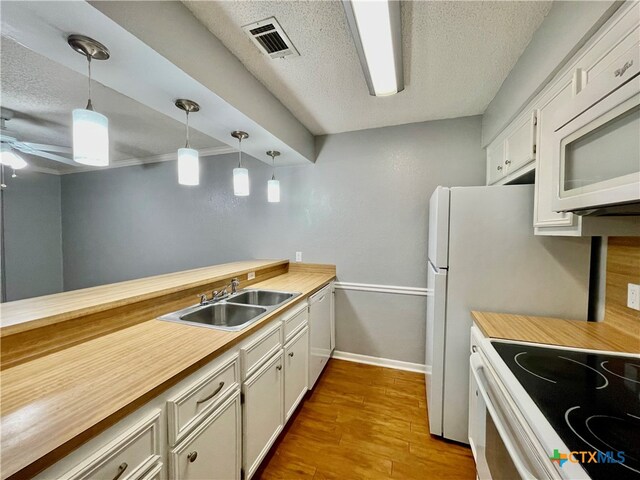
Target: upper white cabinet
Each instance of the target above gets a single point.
(495, 162)
(530, 141)
(520, 145)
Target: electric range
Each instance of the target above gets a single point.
(592, 401)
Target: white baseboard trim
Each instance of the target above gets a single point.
(369, 287)
(382, 362)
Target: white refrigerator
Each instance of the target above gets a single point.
(483, 255)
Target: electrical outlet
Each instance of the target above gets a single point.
(298, 256)
(251, 275)
(633, 296)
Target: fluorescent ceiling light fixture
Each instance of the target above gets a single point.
(90, 128)
(376, 27)
(240, 174)
(11, 159)
(188, 158)
(273, 185)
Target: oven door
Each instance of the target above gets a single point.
(500, 447)
(596, 159)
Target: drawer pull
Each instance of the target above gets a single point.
(123, 466)
(192, 456)
(215, 392)
(291, 354)
(507, 162)
(279, 367)
(499, 167)
(621, 71)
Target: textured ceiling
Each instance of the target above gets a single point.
(456, 56)
(43, 93)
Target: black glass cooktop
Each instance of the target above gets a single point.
(592, 401)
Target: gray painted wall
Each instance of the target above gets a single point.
(32, 235)
(566, 28)
(362, 206)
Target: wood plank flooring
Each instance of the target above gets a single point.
(365, 422)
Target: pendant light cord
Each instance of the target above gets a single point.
(187, 144)
(89, 105)
(240, 152)
(273, 168)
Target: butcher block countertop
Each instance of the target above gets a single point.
(53, 404)
(556, 331)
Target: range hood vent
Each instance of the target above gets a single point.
(270, 38)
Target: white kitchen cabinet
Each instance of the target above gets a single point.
(520, 144)
(296, 371)
(128, 456)
(320, 333)
(213, 449)
(495, 161)
(263, 412)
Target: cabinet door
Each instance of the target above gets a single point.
(212, 451)
(319, 332)
(296, 368)
(520, 146)
(547, 221)
(263, 414)
(495, 161)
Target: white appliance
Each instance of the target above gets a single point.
(596, 156)
(519, 418)
(483, 255)
(320, 332)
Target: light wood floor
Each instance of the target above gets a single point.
(365, 422)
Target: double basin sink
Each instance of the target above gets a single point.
(235, 312)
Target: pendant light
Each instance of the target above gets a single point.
(90, 128)
(273, 185)
(240, 175)
(188, 161)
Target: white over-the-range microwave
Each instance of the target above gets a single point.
(596, 160)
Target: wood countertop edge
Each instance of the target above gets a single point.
(27, 325)
(57, 453)
(623, 343)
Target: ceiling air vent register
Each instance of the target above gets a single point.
(270, 38)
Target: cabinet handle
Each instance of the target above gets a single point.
(499, 167)
(474, 349)
(291, 354)
(192, 456)
(621, 71)
(123, 466)
(215, 392)
(279, 367)
(507, 162)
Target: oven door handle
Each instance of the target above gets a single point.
(477, 369)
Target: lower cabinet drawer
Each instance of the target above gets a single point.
(127, 457)
(154, 474)
(190, 406)
(294, 321)
(213, 450)
(261, 349)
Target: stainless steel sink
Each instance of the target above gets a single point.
(265, 298)
(234, 313)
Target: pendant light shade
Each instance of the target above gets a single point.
(273, 191)
(240, 182)
(273, 185)
(188, 167)
(90, 138)
(188, 158)
(90, 128)
(240, 174)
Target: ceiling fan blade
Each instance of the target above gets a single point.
(48, 148)
(39, 153)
